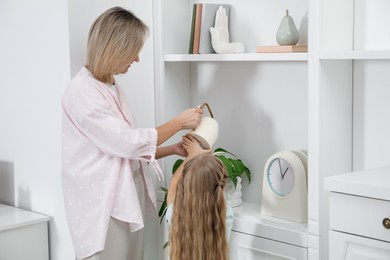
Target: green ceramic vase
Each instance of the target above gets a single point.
(287, 33)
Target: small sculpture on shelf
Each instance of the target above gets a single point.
(220, 35)
(287, 33)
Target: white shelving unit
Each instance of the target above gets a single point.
(346, 82)
(355, 55)
(326, 101)
(238, 57)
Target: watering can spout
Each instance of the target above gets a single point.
(207, 131)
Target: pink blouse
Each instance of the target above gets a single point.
(101, 149)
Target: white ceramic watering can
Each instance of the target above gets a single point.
(207, 131)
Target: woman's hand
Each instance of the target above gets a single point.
(193, 147)
(179, 149)
(176, 148)
(190, 118)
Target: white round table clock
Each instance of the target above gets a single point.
(285, 186)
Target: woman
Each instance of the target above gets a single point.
(106, 184)
(200, 220)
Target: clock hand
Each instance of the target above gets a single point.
(280, 168)
(284, 173)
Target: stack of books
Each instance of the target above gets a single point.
(203, 18)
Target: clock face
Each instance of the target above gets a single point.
(280, 177)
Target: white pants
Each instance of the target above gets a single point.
(121, 244)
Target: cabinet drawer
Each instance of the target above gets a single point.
(351, 247)
(26, 242)
(248, 247)
(359, 215)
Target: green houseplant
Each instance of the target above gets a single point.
(235, 168)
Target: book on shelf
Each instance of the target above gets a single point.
(281, 48)
(191, 45)
(203, 18)
(198, 19)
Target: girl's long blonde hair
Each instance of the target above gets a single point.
(115, 38)
(198, 227)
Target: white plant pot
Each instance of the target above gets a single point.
(233, 194)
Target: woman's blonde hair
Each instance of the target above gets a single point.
(198, 227)
(115, 39)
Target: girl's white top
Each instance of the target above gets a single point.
(101, 149)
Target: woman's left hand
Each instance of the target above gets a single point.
(179, 149)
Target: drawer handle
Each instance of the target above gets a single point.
(386, 223)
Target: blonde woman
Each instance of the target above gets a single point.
(200, 220)
(106, 184)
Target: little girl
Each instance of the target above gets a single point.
(200, 221)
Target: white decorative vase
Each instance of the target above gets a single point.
(233, 194)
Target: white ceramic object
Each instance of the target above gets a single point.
(233, 194)
(287, 33)
(220, 35)
(207, 131)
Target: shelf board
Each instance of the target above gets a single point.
(237, 57)
(248, 220)
(372, 183)
(355, 55)
(11, 217)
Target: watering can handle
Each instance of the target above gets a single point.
(208, 107)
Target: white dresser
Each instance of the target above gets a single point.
(258, 237)
(23, 235)
(359, 215)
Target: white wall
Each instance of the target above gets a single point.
(252, 115)
(34, 67)
(38, 56)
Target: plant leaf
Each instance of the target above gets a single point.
(177, 165)
(166, 245)
(228, 165)
(234, 180)
(161, 212)
(163, 209)
(248, 174)
(220, 151)
(239, 167)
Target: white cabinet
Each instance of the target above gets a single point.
(348, 86)
(23, 234)
(328, 101)
(359, 220)
(256, 237)
(345, 246)
(250, 247)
